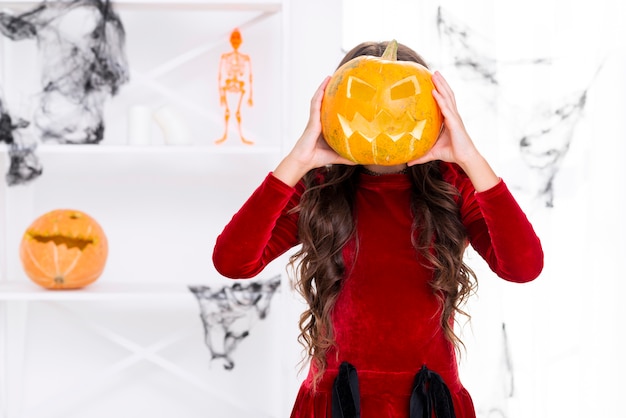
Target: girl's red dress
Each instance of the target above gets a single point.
(386, 319)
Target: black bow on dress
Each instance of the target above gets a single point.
(346, 400)
(429, 394)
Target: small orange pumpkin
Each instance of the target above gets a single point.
(380, 110)
(64, 249)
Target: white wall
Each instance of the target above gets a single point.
(124, 352)
(314, 50)
(563, 330)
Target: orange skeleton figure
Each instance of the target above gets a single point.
(234, 66)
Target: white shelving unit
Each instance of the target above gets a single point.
(161, 207)
(25, 291)
(111, 178)
(131, 344)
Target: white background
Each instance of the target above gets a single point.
(563, 329)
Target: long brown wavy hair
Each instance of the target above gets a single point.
(326, 224)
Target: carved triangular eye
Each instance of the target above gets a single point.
(404, 88)
(359, 89)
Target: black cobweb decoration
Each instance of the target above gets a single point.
(545, 141)
(464, 48)
(24, 164)
(229, 312)
(82, 65)
(544, 148)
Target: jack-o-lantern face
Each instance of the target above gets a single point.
(380, 111)
(64, 249)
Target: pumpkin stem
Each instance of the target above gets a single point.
(391, 52)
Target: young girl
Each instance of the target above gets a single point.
(380, 262)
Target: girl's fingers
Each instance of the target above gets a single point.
(442, 86)
(316, 102)
(316, 105)
(319, 93)
(444, 96)
(447, 109)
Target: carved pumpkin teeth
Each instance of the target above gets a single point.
(395, 138)
(370, 130)
(419, 129)
(69, 242)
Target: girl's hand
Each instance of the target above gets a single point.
(454, 143)
(311, 150)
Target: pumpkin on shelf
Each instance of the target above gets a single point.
(378, 110)
(64, 249)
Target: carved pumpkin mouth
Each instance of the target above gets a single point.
(70, 242)
(383, 123)
(64, 249)
(73, 245)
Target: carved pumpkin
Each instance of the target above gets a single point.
(64, 249)
(380, 110)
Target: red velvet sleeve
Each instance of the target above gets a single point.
(259, 232)
(498, 229)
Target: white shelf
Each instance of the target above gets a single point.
(161, 206)
(233, 166)
(115, 291)
(148, 5)
(151, 149)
